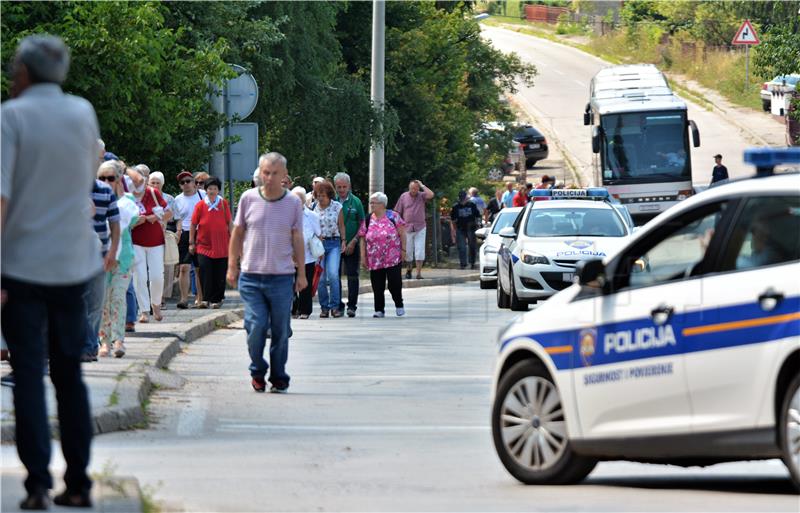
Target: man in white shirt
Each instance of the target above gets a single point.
(184, 207)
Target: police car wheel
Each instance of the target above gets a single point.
(529, 430)
(502, 297)
(514, 303)
(789, 430)
(488, 284)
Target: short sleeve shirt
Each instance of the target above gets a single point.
(353, 212)
(383, 245)
(105, 212)
(329, 219)
(412, 209)
(49, 164)
(268, 226)
(212, 229)
(465, 216)
(147, 234)
(184, 208)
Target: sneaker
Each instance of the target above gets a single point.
(216, 306)
(119, 349)
(324, 314)
(336, 313)
(202, 305)
(379, 315)
(304, 316)
(419, 277)
(408, 275)
(259, 385)
(401, 312)
(8, 380)
(279, 387)
(351, 312)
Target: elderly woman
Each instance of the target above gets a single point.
(209, 235)
(156, 181)
(311, 228)
(382, 252)
(331, 223)
(112, 326)
(148, 246)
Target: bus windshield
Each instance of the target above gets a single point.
(645, 147)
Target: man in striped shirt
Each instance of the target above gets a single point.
(106, 226)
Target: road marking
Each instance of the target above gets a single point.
(348, 428)
(579, 82)
(192, 418)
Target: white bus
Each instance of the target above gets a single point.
(640, 138)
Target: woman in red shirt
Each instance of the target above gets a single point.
(209, 235)
(148, 248)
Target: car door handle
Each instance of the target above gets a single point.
(661, 314)
(770, 299)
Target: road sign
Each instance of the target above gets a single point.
(242, 93)
(746, 35)
(244, 153)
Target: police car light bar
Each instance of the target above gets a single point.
(589, 193)
(771, 157)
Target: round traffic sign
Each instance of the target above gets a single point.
(242, 93)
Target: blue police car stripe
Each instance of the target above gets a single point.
(702, 330)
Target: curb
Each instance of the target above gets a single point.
(427, 282)
(135, 387)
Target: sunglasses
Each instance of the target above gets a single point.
(199, 182)
(184, 182)
(107, 178)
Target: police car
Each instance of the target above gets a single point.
(491, 243)
(556, 230)
(693, 359)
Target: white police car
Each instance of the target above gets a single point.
(550, 237)
(491, 243)
(693, 359)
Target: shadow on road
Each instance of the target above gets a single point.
(735, 484)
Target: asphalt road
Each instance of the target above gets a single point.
(382, 415)
(561, 91)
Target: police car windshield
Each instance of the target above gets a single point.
(504, 219)
(569, 222)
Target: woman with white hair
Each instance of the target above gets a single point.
(382, 252)
(311, 228)
(156, 180)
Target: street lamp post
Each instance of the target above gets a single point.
(376, 90)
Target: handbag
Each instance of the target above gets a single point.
(171, 253)
(318, 269)
(316, 247)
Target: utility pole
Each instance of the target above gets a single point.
(376, 90)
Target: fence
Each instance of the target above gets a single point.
(544, 13)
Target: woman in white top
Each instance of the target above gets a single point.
(304, 303)
(331, 223)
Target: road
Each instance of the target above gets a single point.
(561, 91)
(382, 415)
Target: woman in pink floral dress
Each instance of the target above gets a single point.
(382, 252)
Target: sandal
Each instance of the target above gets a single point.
(157, 313)
(144, 318)
(104, 350)
(119, 349)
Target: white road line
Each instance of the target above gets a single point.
(192, 418)
(347, 428)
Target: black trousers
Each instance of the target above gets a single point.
(41, 321)
(212, 276)
(350, 267)
(304, 301)
(379, 277)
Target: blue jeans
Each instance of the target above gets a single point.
(267, 308)
(130, 304)
(94, 296)
(465, 240)
(329, 299)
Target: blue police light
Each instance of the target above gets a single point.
(771, 157)
(597, 192)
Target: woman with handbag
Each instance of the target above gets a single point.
(314, 251)
(209, 235)
(156, 181)
(148, 246)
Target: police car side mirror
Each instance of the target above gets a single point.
(508, 233)
(591, 273)
(482, 233)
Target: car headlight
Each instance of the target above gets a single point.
(531, 258)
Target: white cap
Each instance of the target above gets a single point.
(318, 179)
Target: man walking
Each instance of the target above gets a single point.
(508, 196)
(411, 207)
(184, 208)
(464, 218)
(353, 213)
(720, 172)
(49, 253)
(268, 237)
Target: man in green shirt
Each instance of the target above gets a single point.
(353, 212)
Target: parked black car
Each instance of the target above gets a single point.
(532, 142)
